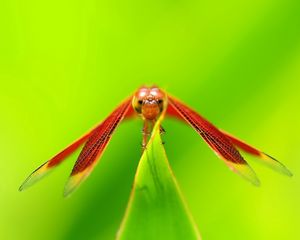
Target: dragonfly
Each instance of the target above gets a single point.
(149, 103)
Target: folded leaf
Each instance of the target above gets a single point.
(156, 209)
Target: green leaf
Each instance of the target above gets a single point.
(156, 209)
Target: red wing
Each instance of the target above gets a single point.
(95, 146)
(46, 167)
(265, 158)
(221, 145)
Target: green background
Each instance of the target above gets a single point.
(64, 65)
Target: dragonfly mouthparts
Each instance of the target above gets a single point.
(150, 99)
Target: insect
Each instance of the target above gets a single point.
(149, 103)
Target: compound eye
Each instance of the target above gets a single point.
(160, 104)
(137, 105)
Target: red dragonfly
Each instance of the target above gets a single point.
(149, 103)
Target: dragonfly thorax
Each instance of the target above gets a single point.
(149, 102)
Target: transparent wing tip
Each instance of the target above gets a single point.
(74, 181)
(275, 164)
(246, 172)
(34, 177)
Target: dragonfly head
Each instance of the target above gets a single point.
(149, 102)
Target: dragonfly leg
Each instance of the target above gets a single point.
(147, 130)
(162, 130)
(146, 133)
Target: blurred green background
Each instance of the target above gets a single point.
(64, 65)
